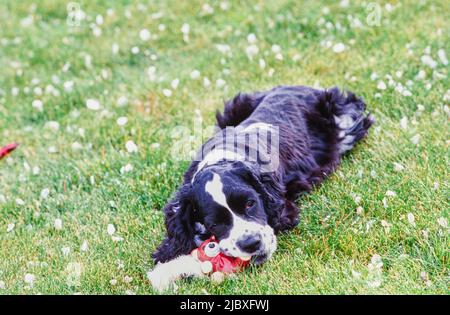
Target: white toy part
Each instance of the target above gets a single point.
(212, 249)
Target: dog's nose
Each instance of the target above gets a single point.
(250, 244)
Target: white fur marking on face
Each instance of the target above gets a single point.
(241, 227)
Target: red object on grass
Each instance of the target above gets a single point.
(7, 149)
(209, 251)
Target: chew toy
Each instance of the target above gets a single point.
(206, 260)
(212, 260)
(4, 151)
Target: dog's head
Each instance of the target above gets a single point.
(231, 201)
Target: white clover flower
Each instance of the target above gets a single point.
(359, 210)
(373, 76)
(398, 167)
(74, 271)
(10, 227)
(251, 38)
(262, 63)
(144, 35)
(99, 19)
(131, 146)
(116, 238)
(421, 75)
(375, 262)
(339, 48)
(435, 185)
(195, 74)
(38, 105)
(58, 224)
(220, 83)
(115, 48)
(415, 139)
(96, 31)
(36, 170)
(84, 246)
(122, 101)
(443, 222)
(404, 122)
(174, 83)
(428, 61)
(167, 92)
(127, 279)
(252, 50)
(93, 104)
(20, 202)
(29, 279)
(122, 121)
(111, 229)
(52, 125)
(135, 50)
(390, 193)
(276, 49)
(185, 28)
(411, 219)
(207, 9)
(44, 193)
(68, 86)
(381, 85)
(65, 250)
(442, 57)
(76, 146)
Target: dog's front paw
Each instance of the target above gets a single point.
(159, 280)
(165, 274)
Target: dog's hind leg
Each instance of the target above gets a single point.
(336, 123)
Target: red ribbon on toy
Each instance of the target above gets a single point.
(7, 149)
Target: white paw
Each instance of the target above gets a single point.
(159, 280)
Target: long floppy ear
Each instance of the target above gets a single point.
(180, 225)
(282, 213)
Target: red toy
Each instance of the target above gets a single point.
(208, 253)
(204, 260)
(7, 149)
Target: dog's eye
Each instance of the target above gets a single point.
(249, 204)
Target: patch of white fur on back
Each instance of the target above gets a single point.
(241, 228)
(215, 156)
(259, 125)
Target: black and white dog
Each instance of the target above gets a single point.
(301, 134)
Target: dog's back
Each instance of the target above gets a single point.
(316, 128)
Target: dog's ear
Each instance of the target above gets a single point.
(180, 225)
(282, 214)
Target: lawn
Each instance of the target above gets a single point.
(93, 99)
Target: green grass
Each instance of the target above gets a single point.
(329, 252)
